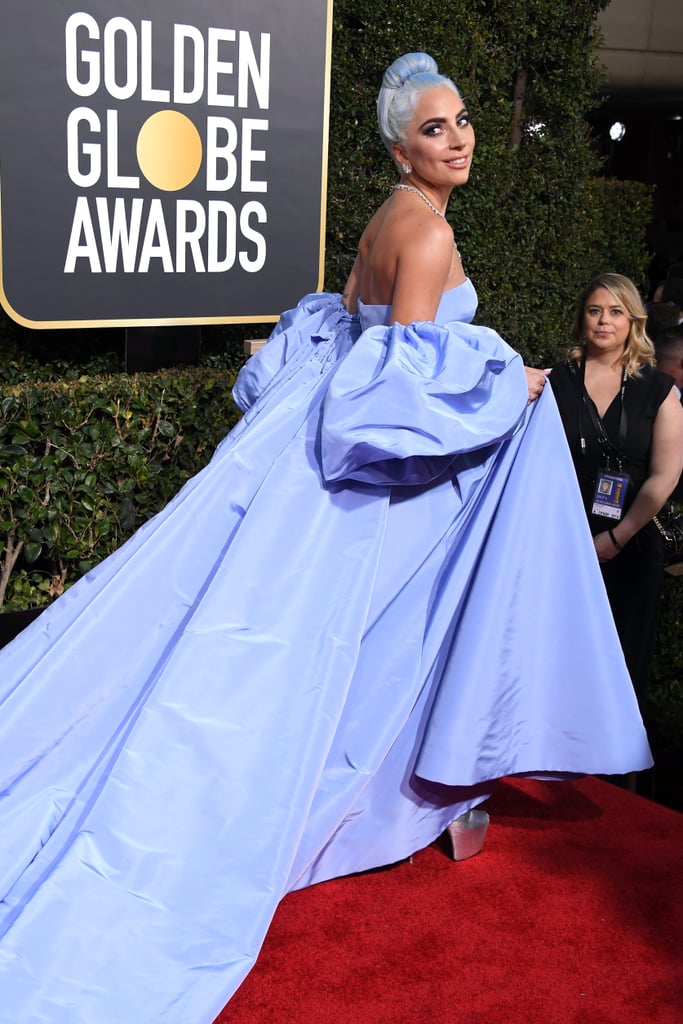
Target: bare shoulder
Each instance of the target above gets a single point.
(425, 235)
(672, 408)
(668, 424)
(410, 238)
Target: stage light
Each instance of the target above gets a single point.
(536, 128)
(617, 131)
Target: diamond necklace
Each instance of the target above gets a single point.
(411, 188)
(430, 204)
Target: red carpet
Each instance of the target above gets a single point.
(572, 914)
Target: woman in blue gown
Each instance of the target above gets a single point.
(377, 599)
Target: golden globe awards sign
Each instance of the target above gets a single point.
(161, 162)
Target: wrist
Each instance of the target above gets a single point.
(615, 540)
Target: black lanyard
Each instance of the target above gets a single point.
(587, 402)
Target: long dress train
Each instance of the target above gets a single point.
(378, 598)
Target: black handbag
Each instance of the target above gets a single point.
(669, 522)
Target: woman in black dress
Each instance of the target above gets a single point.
(624, 425)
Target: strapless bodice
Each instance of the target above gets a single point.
(459, 303)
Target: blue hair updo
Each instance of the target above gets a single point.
(402, 84)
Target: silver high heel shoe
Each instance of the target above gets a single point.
(467, 833)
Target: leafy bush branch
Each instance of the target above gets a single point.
(84, 462)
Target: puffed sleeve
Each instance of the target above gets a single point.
(406, 401)
(302, 326)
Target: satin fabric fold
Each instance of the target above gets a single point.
(378, 598)
(408, 401)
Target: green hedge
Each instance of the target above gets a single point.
(84, 462)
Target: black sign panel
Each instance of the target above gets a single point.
(161, 161)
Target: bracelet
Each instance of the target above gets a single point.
(614, 540)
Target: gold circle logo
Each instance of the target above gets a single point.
(169, 150)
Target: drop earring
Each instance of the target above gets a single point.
(406, 168)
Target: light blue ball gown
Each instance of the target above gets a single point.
(378, 598)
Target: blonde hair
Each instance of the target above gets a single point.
(638, 350)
